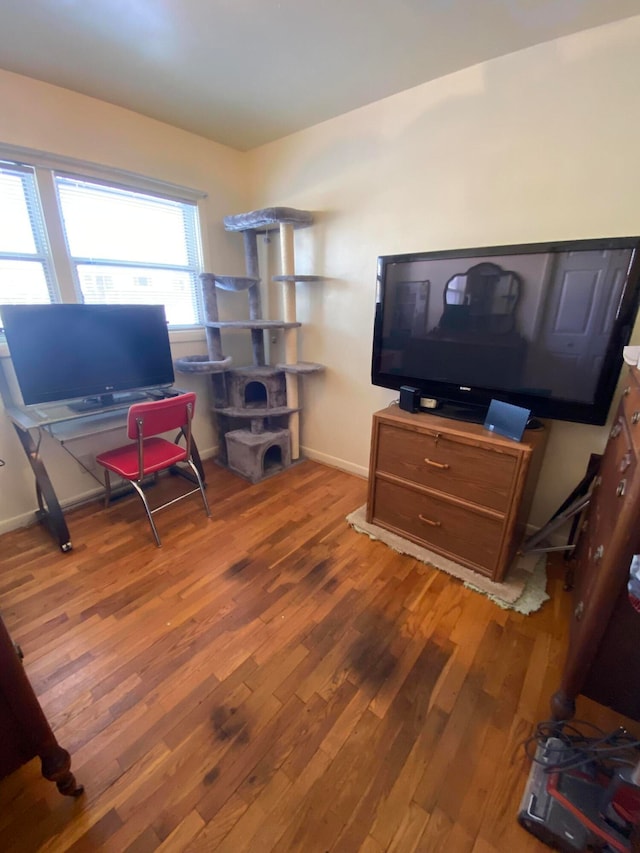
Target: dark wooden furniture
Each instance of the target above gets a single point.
(25, 730)
(603, 660)
(453, 487)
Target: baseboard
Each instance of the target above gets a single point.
(335, 462)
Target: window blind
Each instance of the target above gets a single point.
(26, 274)
(131, 247)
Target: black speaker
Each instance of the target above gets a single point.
(409, 398)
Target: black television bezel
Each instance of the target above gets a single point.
(150, 317)
(472, 402)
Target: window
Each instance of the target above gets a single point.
(26, 275)
(67, 237)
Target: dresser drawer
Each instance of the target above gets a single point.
(452, 530)
(476, 474)
(613, 482)
(630, 409)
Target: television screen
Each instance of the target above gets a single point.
(66, 352)
(540, 325)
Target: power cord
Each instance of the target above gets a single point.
(578, 749)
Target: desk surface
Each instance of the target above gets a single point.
(53, 416)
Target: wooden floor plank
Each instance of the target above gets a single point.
(271, 681)
(410, 831)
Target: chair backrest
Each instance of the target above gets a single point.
(156, 416)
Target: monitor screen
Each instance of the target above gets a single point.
(66, 352)
(537, 325)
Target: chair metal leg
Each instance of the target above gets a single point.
(137, 486)
(143, 498)
(194, 468)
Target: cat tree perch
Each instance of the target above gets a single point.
(257, 406)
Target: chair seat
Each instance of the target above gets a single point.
(158, 454)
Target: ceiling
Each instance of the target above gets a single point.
(245, 72)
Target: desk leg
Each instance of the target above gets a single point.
(49, 511)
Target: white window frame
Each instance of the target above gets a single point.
(62, 266)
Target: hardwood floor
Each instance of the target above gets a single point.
(270, 680)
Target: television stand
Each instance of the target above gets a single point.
(105, 401)
(468, 414)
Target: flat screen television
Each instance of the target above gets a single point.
(87, 353)
(540, 326)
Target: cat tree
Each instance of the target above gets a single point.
(257, 406)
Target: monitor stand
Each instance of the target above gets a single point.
(105, 401)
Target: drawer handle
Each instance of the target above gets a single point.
(441, 465)
(429, 521)
(635, 417)
(622, 487)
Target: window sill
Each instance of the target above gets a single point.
(183, 336)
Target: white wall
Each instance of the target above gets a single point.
(47, 118)
(538, 145)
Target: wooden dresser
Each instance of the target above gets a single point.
(603, 660)
(25, 730)
(453, 487)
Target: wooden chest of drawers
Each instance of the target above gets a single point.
(602, 661)
(454, 487)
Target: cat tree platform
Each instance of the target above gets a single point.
(250, 412)
(252, 324)
(202, 364)
(299, 278)
(268, 218)
(301, 367)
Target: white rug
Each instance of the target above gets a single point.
(523, 589)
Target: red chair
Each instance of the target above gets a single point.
(151, 454)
